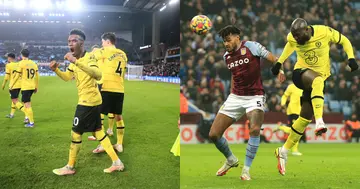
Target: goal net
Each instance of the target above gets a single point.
(134, 72)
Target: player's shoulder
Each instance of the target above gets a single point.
(290, 37)
(253, 45)
(321, 31)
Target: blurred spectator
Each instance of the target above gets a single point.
(352, 128)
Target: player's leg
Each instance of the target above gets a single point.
(220, 124)
(26, 98)
(111, 121)
(256, 118)
(231, 110)
(105, 143)
(75, 146)
(314, 82)
(295, 148)
(120, 131)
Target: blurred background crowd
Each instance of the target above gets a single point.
(206, 79)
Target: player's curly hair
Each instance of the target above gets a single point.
(227, 30)
(109, 36)
(78, 32)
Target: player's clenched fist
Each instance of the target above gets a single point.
(70, 57)
(53, 65)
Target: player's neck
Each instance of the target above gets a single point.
(25, 58)
(81, 54)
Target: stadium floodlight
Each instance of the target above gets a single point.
(2, 20)
(8, 3)
(19, 4)
(59, 4)
(40, 14)
(74, 5)
(163, 8)
(13, 21)
(41, 4)
(25, 21)
(30, 21)
(173, 1)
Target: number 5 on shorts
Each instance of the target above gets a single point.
(258, 103)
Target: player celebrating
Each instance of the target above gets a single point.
(87, 116)
(311, 44)
(10, 70)
(112, 62)
(292, 111)
(247, 96)
(110, 116)
(28, 71)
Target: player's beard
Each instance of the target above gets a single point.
(303, 40)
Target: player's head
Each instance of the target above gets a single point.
(300, 31)
(25, 53)
(231, 37)
(76, 42)
(10, 57)
(108, 39)
(94, 48)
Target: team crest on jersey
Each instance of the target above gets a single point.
(318, 44)
(243, 51)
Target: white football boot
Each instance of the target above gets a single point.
(282, 159)
(227, 166)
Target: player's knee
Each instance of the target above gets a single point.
(318, 82)
(255, 130)
(213, 136)
(118, 117)
(100, 135)
(75, 137)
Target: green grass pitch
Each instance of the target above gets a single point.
(323, 166)
(28, 155)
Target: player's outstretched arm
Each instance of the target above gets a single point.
(7, 76)
(345, 42)
(66, 76)
(89, 68)
(288, 50)
(37, 80)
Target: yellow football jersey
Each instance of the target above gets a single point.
(315, 53)
(294, 106)
(112, 62)
(29, 72)
(11, 69)
(88, 92)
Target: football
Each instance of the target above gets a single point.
(200, 24)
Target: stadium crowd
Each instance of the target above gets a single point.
(206, 79)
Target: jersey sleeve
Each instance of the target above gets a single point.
(7, 69)
(21, 66)
(257, 49)
(333, 35)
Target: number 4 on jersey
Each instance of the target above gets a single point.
(119, 69)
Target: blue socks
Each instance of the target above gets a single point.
(223, 147)
(251, 149)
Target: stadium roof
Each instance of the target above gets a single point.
(135, 5)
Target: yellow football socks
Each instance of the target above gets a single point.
(106, 144)
(13, 109)
(296, 132)
(285, 128)
(120, 129)
(74, 148)
(30, 114)
(21, 107)
(102, 121)
(317, 97)
(111, 121)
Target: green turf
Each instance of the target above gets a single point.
(28, 155)
(327, 166)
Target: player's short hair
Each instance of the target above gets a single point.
(227, 30)
(298, 24)
(109, 36)
(25, 53)
(79, 33)
(11, 55)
